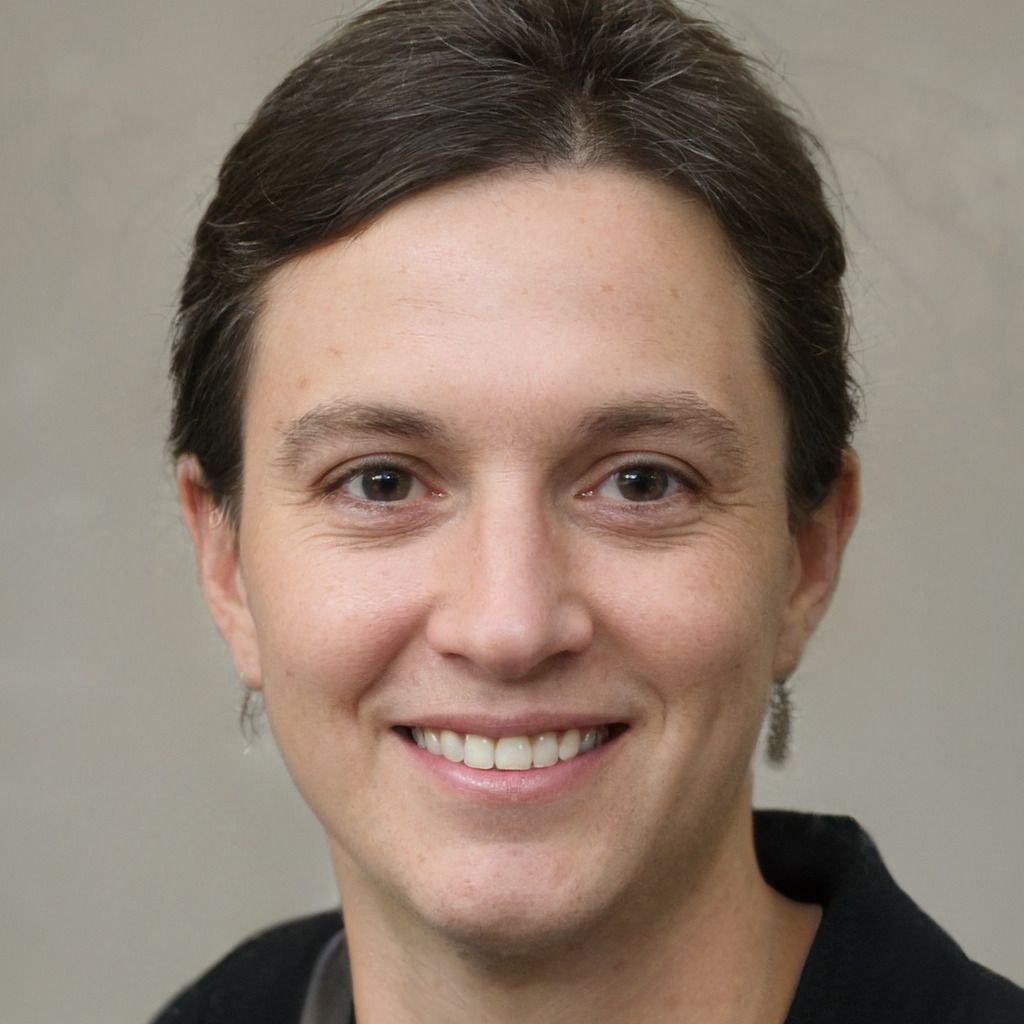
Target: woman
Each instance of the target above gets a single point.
(513, 427)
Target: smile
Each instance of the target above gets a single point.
(510, 753)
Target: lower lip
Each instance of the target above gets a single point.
(534, 785)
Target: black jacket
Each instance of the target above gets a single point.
(877, 958)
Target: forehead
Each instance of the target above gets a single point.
(518, 296)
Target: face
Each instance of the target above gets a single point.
(514, 472)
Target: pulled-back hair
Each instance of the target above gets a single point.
(415, 93)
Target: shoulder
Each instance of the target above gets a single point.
(990, 998)
(263, 979)
(877, 956)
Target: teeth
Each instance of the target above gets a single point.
(569, 745)
(545, 750)
(513, 753)
(479, 752)
(510, 753)
(453, 746)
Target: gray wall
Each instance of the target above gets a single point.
(140, 838)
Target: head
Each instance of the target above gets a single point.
(412, 95)
(512, 399)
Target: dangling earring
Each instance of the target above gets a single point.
(250, 713)
(780, 723)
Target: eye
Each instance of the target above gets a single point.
(641, 483)
(382, 483)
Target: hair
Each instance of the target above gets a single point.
(416, 93)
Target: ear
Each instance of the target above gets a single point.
(819, 541)
(219, 569)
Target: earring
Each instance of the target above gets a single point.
(250, 713)
(780, 723)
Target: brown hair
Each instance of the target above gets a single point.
(414, 93)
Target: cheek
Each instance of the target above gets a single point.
(701, 622)
(330, 621)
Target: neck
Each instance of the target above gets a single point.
(728, 948)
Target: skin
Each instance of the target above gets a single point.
(519, 575)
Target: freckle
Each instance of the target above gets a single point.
(674, 292)
(607, 287)
(333, 350)
(302, 384)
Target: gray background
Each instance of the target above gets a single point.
(140, 837)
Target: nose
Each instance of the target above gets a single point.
(507, 601)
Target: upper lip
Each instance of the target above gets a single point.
(497, 725)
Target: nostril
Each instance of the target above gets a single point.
(510, 627)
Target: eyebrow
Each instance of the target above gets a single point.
(675, 412)
(669, 412)
(323, 424)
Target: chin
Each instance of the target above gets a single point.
(510, 929)
(506, 908)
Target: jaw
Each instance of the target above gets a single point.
(529, 884)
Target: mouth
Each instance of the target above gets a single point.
(512, 753)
